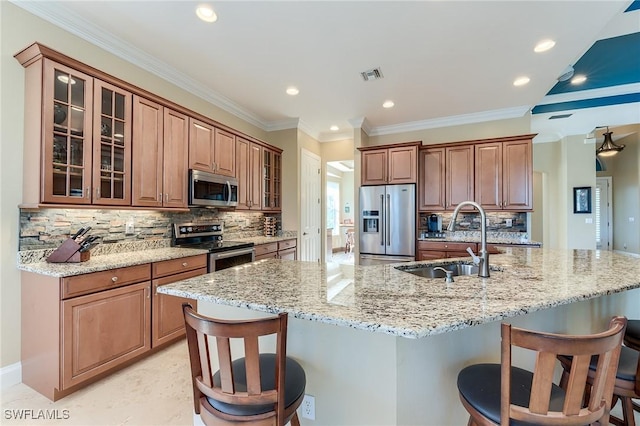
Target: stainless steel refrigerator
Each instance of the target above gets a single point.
(387, 224)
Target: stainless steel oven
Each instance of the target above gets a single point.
(222, 254)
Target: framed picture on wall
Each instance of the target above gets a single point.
(582, 199)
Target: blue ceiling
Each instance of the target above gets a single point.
(609, 62)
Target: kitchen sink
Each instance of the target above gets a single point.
(434, 271)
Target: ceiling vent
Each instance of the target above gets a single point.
(373, 74)
(559, 116)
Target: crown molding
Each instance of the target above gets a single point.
(361, 123)
(71, 22)
(454, 120)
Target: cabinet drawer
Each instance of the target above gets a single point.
(175, 266)
(97, 281)
(445, 246)
(263, 249)
(287, 244)
(272, 255)
(431, 255)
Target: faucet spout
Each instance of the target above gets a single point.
(483, 270)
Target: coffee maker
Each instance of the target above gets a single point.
(434, 223)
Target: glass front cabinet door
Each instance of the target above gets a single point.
(87, 139)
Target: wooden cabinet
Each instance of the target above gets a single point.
(389, 165)
(78, 141)
(285, 249)
(160, 155)
(272, 180)
(103, 330)
(211, 149)
(431, 182)
(249, 174)
(504, 175)
(432, 250)
(167, 323)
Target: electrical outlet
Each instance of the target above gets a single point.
(509, 223)
(129, 229)
(308, 407)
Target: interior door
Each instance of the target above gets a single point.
(310, 207)
(604, 225)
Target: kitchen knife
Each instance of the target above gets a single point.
(87, 229)
(77, 234)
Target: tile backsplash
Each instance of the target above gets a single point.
(48, 228)
(496, 221)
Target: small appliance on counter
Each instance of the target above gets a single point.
(75, 249)
(434, 223)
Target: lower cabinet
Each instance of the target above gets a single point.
(285, 249)
(431, 250)
(80, 328)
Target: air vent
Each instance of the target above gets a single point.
(373, 74)
(555, 117)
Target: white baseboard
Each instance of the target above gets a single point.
(627, 253)
(10, 375)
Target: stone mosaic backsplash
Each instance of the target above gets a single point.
(470, 221)
(48, 228)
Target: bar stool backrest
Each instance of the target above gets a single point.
(548, 346)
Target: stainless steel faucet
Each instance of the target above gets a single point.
(483, 267)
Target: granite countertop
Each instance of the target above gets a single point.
(108, 261)
(261, 240)
(511, 238)
(383, 299)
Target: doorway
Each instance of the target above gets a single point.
(340, 214)
(604, 213)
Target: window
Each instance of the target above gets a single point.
(333, 207)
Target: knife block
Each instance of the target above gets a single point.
(68, 253)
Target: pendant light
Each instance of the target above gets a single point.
(608, 148)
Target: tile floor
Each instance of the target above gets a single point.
(343, 258)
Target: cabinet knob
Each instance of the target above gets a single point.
(184, 263)
(114, 279)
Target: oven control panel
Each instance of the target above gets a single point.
(183, 230)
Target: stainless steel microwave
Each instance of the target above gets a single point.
(211, 190)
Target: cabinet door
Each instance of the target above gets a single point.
(431, 185)
(224, 153)
(175, 152)
(431, 255)
(201, 139)
(488, 175)
(103, 330)
(374, 167)
(168, 319)
(272, 184)
(147, 153)
(67, 113)
(288, 254)
(111, 145)
(255, 176)
(402, 164)
(243, 173)
(517, 176)
(459, 174)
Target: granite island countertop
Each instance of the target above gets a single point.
(383, 299)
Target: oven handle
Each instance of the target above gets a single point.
(231, 253)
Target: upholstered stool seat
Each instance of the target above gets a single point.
(294, 385)
(632, 335)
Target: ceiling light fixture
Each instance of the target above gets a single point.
(521, 81)
(334, 128)
(566, 74)
(66, 80)
(579, 79)
(206, 13)
(608, 148)
(388, 104)
(544, 45)
(292, 91)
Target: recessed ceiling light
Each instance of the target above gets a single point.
(206, 13)
(521, 81)
(388, 104)
(544, 45)
(334, 128)
(292, 91)
(579, 79)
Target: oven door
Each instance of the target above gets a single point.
(209, 190)
(229, 259)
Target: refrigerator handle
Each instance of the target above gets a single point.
(388, 219)
(382, 227)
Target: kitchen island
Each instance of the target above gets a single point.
(382, 346)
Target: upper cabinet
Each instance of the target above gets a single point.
(249, 174)
(211, 149)
(495, 173)
(160, 155)
(272, 182)
(504, 175)
(389, 165)
(78, 136)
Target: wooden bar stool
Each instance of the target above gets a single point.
(632, 340)
(257, 389)
(507, 395)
